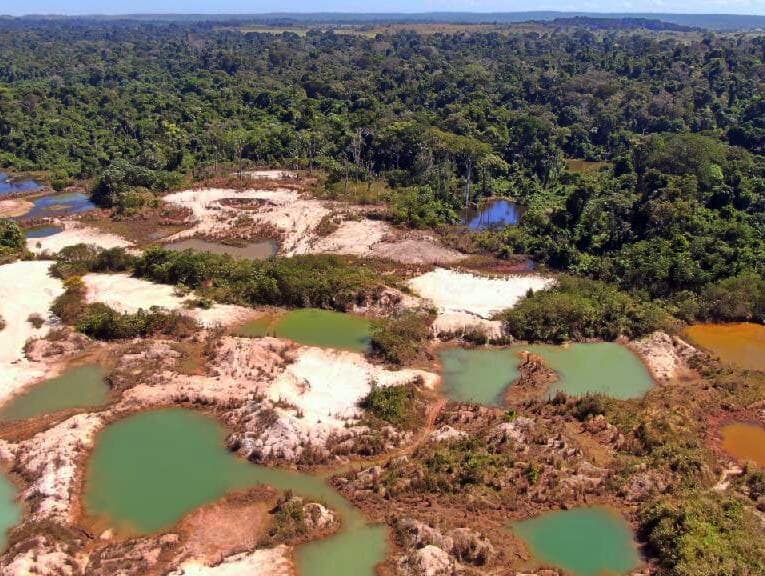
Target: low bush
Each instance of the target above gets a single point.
(80, 259)
(704, 534)
(70, 306)
(320, 281)
(393, 404)
(12, 240)
(418, 207)
(400, 339)
(579, 308)
(101, 322)
(738, 298)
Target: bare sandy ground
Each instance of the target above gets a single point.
(307, 394)
(298, 218)
(326, 386)
(51, 458)
(665, 356)
(452, 291)
(14, 207)
(127, 295)
(294, 217)
(271, 562)
(270, 174)
(26, 288)
(75, 233)
(379, 239)
(353, 237)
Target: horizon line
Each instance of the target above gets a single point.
(386, 13)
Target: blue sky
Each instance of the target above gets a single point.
(17, 7)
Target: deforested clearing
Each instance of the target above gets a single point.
(452, 291)
(327, 385)
(72, 234)
(269, 562)
(26, 288)
(127, 295)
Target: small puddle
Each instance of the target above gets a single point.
(314, 327)
(10, 511)
(253, 250)
(479, 375)
(79, 387)
(745, 442)
(150, 469)
(492, 214)
(583, 541)
(59, 205)
(742, 343)
(43, 231)
(482, 375)
(8, 186)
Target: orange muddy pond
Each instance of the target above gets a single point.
(746, 442)
(742, 344)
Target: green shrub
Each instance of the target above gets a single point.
(393, 404)
(704, 534)
(12, 240)
(588, 406)
(419, 208)
(399, 339)
(70, 306)
(738, 298)
(80, 259)
(101, 322)
(579, 308)
(321, 281)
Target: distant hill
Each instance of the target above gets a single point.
(721, 22)
(621, 23)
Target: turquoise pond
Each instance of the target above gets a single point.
(483, 375)
(593, 541)
(10, 511)
(150, 469)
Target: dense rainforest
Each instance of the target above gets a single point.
(637, 155)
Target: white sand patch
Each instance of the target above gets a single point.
(127, 295)
(318, 395)
(327, 385)
(296, 220)
(270, 174)
(353, 237)
(210, 216)
(75, 233)
(26, 288)
(269, 562)
(52, 459)
(461, 292)
(457, 324)
(294, 217)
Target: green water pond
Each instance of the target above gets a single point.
(10, 511)
(478, 375)
(314, 327)
(583, 541)
(150, 469)
(78, 387)
(482, 375)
